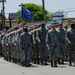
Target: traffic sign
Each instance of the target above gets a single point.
(13, 15)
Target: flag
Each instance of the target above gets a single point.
(27, 14)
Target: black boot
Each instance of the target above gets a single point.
(19, 61)
(16, 60)
(9, 59)
(41, 62)
(38, 61)
(62, 62)
(23, 64)
(51, 63)
(55, 63)
(13, 60)
(6, 58)
(45, 62)
(59, 61)
(34, 61)
(70, 63)
(66, 59)
(28, 64)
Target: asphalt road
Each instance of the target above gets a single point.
(7, 68)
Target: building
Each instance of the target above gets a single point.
(7, 23)
(57, 16)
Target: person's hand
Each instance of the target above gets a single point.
(47, 45)
(7, 45)
(15, 44)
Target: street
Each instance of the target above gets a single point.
(7, 68)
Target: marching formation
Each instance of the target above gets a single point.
(38, 45)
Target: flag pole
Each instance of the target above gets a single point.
(21, 8)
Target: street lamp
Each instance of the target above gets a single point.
(21, 7)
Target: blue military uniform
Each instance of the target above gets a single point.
(53, 44)
(62, 52)
(43, 48)
(71, 44)
(26, 45)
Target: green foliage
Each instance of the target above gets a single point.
(36, 9)
(49, 16)
(1, 16)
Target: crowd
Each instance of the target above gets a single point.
(36, 44)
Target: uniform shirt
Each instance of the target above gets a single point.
(26, 40)
(42, 35)
(62, 32)
(53, 38)
(71, 36)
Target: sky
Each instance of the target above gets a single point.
(50, 5)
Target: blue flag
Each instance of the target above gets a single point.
(27, 14)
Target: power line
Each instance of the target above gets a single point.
(70, 11)
(62, 9)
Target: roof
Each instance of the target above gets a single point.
(58, 14)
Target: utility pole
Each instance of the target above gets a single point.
(3, 12)
(2, 17)
(9, 21)
(44, 16)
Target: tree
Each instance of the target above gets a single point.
(49, 16)
(1, 16)
(35, 9)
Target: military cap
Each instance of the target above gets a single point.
(53, 24)
(35, 25)
(26, 26)
(72, 25)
